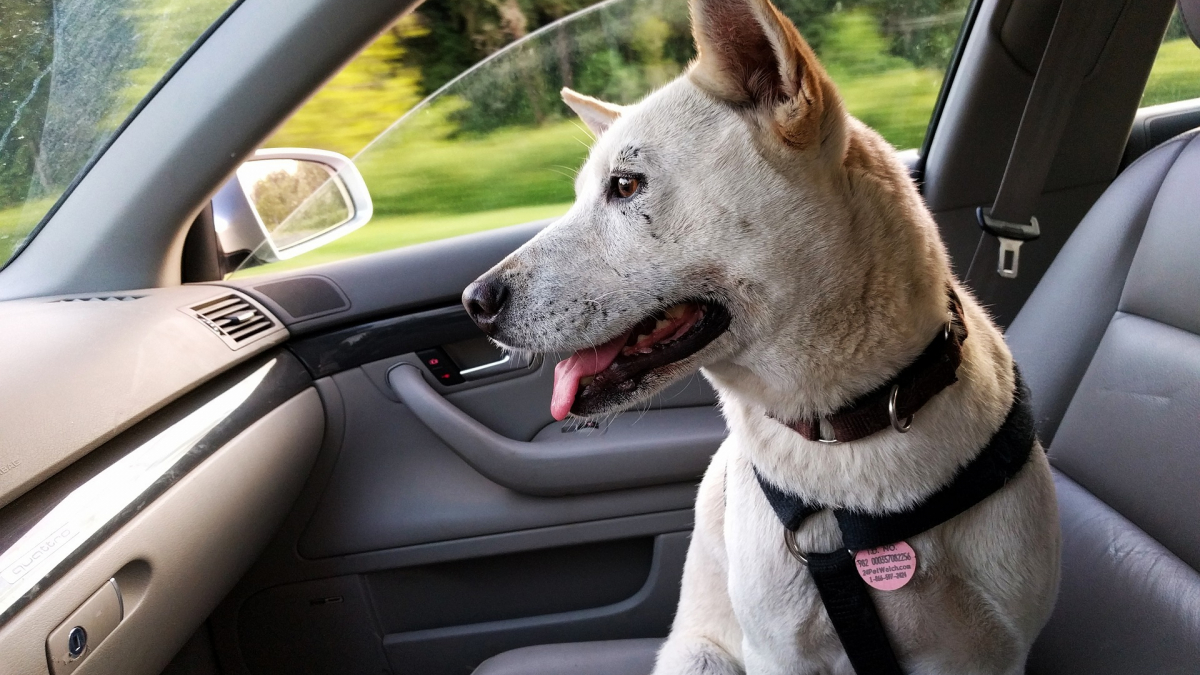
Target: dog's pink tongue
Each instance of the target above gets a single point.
(581, 364)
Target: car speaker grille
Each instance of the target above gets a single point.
(233, 318)
(102, 298)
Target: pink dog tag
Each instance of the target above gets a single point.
(888, 567)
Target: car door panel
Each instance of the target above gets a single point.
(447, 617)
(443, 524)
(459, 648)
(396, 484)
(392, 283)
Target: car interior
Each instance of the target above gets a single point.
(330, 469)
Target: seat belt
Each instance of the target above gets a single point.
(1065, 63)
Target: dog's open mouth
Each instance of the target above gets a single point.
(592, 379)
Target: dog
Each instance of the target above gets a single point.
(738, 221)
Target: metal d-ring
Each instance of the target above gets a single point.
(789, 542)
(821, 438)
(902, 428)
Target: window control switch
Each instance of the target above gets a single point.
(441, 366)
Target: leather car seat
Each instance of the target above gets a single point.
(1109, 342)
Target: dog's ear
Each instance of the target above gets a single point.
(750, 54)
(596, 114)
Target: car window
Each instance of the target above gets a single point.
(1176, 72)
(71, 71)
(446, 152)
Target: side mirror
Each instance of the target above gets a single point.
(283, 202)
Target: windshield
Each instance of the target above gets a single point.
(71, 71)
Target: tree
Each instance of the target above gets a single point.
(361, 101)
(26, 53)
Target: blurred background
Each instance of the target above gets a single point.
(453, 114)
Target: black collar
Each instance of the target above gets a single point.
(894, 402)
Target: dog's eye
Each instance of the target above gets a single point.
(625, 187)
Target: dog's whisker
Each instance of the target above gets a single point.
(586, 131)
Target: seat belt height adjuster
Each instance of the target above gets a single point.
(1011, 236)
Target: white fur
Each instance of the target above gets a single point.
(771, 200)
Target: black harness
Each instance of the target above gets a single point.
(842, 589)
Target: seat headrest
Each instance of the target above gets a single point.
(1189, 10)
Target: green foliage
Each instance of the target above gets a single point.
(498, 144)
(70, 73)
(423, 168)
(161, 31)
(461, 33)
(278, 190)
(26, 51)
(883, 90)
(1175, 27)
(1175, 75)
(15, 223)
(471, 151)
(361, 101)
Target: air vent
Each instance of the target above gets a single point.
(234, 319)
(102, 298)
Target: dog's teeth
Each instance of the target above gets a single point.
(585, 381)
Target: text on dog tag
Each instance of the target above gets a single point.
(888, 567)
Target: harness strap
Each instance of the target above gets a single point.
(994, 466)
(842, 590)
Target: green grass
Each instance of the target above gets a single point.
(896, 103)
(385, 233)
(12, 231)
(17, 222)
(1175, 75)
(421, 168)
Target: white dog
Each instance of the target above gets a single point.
(740, 222)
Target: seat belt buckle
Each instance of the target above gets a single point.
(1010, 256)
(1011, 236)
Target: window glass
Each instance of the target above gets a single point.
(496, 146)
(70, 73)
(1176, 72)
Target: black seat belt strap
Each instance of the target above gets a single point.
(1067, 59)
(852, 613)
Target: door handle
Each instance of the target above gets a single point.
(505, 364)
(636, 449)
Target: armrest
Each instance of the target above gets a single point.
(636, 449)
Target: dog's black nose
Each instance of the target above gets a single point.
(485, 300)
